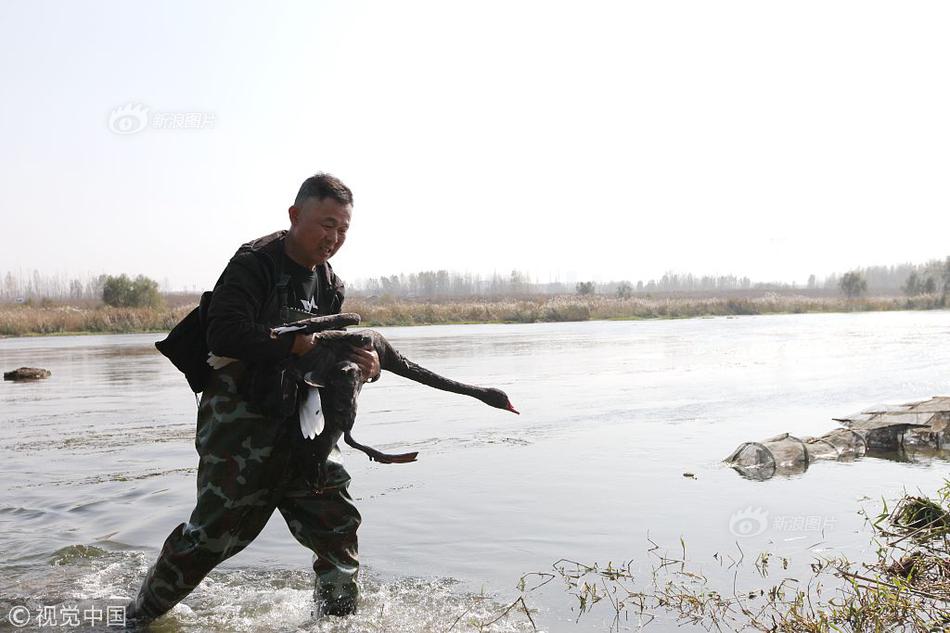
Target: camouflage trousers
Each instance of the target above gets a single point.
(247, 470)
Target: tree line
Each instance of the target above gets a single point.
(443, 283)
(122, 290)
(912, 279)
(118, 291)
(930, 278)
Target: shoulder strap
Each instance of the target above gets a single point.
(282, 284)
(269, 248)
(262, 243)
(336, 289)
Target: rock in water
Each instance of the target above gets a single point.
(26, 373)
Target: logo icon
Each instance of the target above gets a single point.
(748, 522)
(19, 616)
(128, 119)
(309, 306)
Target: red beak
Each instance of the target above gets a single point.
(511, 408)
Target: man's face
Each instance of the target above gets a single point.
(318, 229)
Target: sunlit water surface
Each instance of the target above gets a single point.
(99, 465)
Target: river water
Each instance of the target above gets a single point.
(99, 465)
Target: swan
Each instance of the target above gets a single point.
(326, 417)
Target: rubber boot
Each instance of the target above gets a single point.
(337, 600)
(135, 617)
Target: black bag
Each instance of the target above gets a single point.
(187, 347)
(270, 390)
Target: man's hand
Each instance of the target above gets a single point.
(303, 343)
(368, 361)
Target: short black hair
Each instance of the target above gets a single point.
(321, 186)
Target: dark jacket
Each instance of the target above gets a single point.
(245, 303)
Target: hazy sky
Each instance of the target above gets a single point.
(602, 140)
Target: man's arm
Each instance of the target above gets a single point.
(233, 327)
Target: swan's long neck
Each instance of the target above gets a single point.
(401, 366)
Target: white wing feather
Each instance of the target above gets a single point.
(217, 362)
(284, 329)
(311, 414)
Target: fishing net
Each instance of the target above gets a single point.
(785, 454)
(883, 429)
(838, 444)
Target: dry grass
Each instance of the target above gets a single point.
(575, 308)
(26, 320)
(22, 320)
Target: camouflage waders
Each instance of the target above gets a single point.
(246, 470)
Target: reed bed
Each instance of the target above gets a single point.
(574, 308)
(24, 320)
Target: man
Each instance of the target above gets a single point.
(247, 425)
